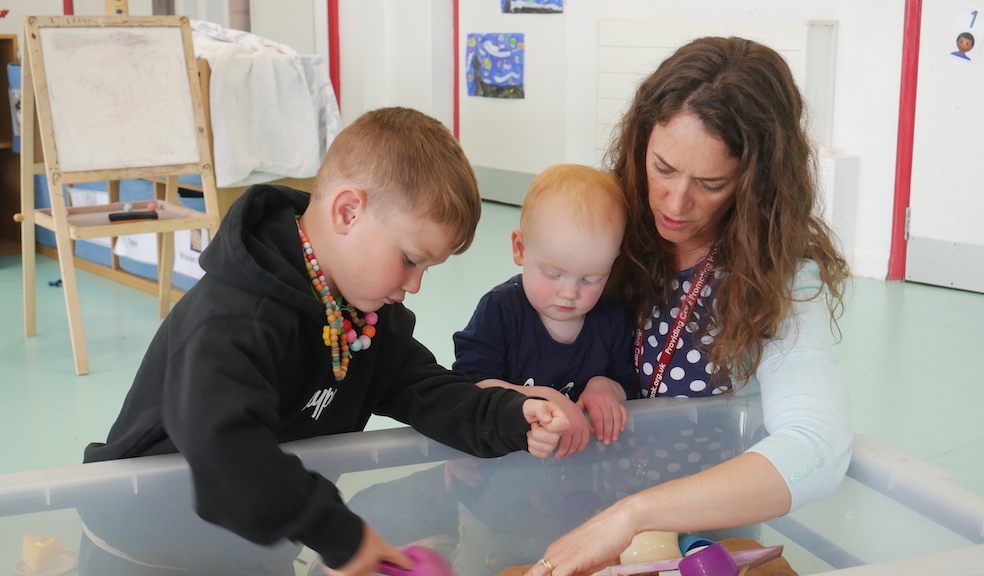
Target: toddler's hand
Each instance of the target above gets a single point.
(547, 422)
(603, 400)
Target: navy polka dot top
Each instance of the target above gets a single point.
(689, 372)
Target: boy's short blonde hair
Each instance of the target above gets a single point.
(593, 197)
(405, 160)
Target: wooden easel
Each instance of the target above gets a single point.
(67, 162)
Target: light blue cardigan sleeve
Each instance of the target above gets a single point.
(804, 400)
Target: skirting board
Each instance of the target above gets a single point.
(945, 263)
(504, 186)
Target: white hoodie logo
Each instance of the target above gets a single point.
(566, 390)
(320, 401)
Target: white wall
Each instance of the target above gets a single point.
(528, 134)
(292, 23)
(396, 52)
(561, 127)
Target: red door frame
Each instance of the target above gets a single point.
(907, 126)
(455, 70)
(334, 58)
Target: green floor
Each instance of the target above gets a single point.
(912, 354)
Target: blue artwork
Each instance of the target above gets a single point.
(494, 65)
(532, 6)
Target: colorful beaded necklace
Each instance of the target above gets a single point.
(339, 334)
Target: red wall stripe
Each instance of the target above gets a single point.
(334, 61)
(456, 70)
(907, 126)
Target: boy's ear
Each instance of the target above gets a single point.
(517, 247)
(346, 208)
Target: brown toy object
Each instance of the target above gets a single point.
(774, 567)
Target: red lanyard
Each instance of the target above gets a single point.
(673, 336)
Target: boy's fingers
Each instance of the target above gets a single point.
(537, 446)
(557, 421)
(396, 557)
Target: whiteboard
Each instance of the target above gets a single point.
(119, 97)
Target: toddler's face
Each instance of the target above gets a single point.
(388, 253)
(565, 267)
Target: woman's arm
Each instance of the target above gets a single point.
(804, 398)
(803, 459)
(744, 490)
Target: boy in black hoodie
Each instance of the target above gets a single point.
(298, 330)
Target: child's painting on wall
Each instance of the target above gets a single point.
(533, 6)
(494, 65)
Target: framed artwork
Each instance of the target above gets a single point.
(532, 6)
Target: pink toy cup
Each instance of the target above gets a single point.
(711, 561)
(426, 562)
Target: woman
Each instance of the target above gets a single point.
(725, 253)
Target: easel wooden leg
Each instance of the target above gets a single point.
(28, 262)
(113, 189)
(66, 263)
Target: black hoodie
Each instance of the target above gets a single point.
(239, 366)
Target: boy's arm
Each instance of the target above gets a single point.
(446, 406)
(578, 433)
(220, 408)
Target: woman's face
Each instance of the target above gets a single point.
(692, 180)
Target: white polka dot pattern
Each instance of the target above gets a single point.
(690, 371)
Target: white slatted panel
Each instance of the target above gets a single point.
(630, 50)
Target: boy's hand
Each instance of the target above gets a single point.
(603, 400)
(547, 422)
(372, 551)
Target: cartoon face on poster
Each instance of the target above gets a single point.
(966, 32)
(494, 65)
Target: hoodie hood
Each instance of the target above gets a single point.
(258, 250)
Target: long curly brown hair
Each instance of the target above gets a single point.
(744, 93)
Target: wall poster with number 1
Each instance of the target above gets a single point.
(965, 33)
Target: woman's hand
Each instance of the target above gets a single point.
(603, 399)
(589, 547)
(372, 551)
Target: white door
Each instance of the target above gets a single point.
(946, 209)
